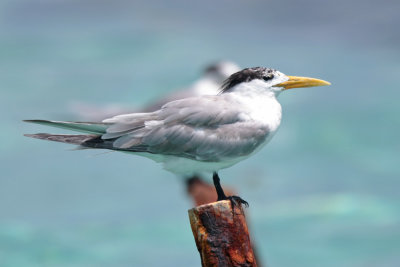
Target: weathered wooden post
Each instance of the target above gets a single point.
(221, 235)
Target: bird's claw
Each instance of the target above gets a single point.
(237, 201)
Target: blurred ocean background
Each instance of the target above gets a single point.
(324, 192)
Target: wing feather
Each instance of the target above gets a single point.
(200, 128)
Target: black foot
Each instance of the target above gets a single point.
(235, 200)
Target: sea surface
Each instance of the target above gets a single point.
(324, 192)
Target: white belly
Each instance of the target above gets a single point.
(186, 166)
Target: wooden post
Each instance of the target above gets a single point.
(221, 235)
(202, 192)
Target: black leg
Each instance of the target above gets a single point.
(221, 195)
(217, 184)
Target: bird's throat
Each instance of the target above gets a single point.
(260, 107)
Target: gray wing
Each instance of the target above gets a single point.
(208, 128)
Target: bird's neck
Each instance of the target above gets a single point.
(260, 104)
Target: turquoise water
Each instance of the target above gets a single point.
(324, 192)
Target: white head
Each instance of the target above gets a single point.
(266, 79)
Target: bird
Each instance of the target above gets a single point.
(208, 84)
(199, 134)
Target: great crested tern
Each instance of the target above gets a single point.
(197, 134)
(209, 83)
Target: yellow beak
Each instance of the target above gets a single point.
(297, 82)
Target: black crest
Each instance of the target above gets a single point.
(246, 75)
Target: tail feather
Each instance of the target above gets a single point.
(97, 128)
(75, 139)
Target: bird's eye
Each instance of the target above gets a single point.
(268, 77)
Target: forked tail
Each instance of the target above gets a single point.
(93, 130)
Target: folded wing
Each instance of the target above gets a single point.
(197, 128)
